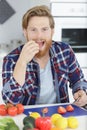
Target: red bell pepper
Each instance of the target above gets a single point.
(43, 123)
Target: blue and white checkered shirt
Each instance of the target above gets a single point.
(64, 66)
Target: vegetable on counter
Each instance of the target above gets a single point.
(55, 117)
(73, 122)
(35, 114)
(3, 110)
(10, 109)
(45, 110)
(40, 123)
(20, 108)
(8, 123)
(56, 128)
(69, 108)
(61, 123)
(26, 127)
(43, 123)
(61, 110)
(29, 122)
(34, 121)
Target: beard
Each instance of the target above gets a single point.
(46, 48)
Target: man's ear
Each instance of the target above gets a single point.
(25, 33)
(53, 32)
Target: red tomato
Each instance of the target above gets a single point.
(43, 123)
(3, 110)
(20, 108)
(69, 108)
(61, 110)
(12, 111)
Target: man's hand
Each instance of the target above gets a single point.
(80, 98)
(29, 50)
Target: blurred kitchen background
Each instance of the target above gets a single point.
(70, 26)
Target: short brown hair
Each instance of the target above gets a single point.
(37, 11)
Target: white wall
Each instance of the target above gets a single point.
(12, 29)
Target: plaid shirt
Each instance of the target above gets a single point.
(64, 66)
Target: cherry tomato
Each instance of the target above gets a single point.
(12, 111)
(69, 108)
(20, 108)
(3, 110)
(45, 110)
(61, 110)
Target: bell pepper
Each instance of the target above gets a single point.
(56, 128)
(43, 123)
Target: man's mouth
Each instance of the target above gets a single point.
(40, 43)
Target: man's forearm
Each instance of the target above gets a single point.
(20, 72)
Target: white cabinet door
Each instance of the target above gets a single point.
(81, 57)
(85, 72)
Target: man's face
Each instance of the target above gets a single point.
(39, 31)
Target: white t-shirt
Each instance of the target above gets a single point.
(47, 92)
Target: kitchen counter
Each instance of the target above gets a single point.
(19, 118)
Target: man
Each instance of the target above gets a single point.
(38, 71)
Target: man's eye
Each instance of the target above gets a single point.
(33, 30)
(45, 29)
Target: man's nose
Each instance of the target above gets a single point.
(39, 34)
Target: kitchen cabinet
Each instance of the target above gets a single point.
(68, 1)
(70, 23)
(71, 26)
(60, 9)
